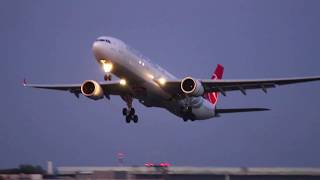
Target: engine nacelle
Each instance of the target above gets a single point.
(92, 89)
(192, 87)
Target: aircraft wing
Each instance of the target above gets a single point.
(109, 88)
(237, 110)
(223, 86)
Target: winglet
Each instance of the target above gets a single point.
(24, 82)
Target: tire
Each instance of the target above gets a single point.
(132, 111)
(185, 119)
(189, 110)
(135, 118)
(192, 117)
(124, 111)
(107, 77)
(128, 119)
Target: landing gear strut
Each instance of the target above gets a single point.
(187, 114)
(107, 67)
(129, 112)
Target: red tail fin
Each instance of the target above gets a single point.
(218, 73)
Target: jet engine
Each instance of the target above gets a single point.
(92, 89)
(192, 87)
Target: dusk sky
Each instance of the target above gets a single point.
(50, 42)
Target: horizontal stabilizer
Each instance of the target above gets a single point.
(236, 110)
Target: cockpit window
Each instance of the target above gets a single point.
(104, 40)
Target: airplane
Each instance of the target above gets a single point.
(188, 98)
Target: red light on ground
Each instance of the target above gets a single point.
(167, 164)
(163, 164)
(148, 164)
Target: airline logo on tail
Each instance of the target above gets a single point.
(218, 73)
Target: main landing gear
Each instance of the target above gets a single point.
(187, 114)
(130, 115)
(129, 112)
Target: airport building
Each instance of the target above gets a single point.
(188, 173)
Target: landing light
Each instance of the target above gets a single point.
(150, 76)
(107, 67)
(103, 61)
(123, 82)
(162, 81)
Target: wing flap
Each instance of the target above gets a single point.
(237, 87)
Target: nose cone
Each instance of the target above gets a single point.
(105, 48)
(98, 49)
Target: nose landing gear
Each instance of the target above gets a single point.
(107, 67)
(129, 112)
(107, 77)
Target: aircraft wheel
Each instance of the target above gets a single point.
(107, 77)
(124, 111)
(132, 111)
(189, 110)
(128, 119)
(185, 119)
(135, 118)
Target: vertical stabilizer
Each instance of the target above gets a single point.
(217, 75)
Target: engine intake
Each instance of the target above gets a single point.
(192, 87)
(92, 89)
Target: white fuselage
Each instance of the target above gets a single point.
(143, 77)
